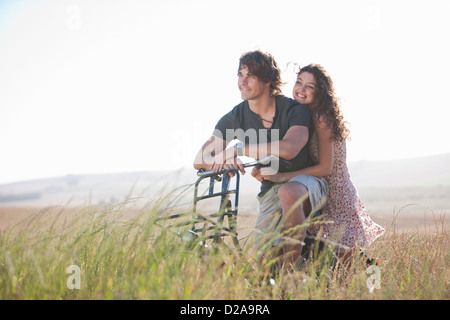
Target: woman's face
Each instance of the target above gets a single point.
(305, 88)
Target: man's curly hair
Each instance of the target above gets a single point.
(263, 66)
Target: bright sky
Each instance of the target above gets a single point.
(109, 86)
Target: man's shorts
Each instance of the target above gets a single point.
(270, 205)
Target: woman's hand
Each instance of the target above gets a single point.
(273, 175)
(256, 173)
(268, 174)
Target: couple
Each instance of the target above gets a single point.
(309, 132)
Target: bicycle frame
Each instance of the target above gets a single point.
(213, 226)
(227, 207)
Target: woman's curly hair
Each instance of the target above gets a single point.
(326, 104)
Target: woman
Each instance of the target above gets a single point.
(351, 225)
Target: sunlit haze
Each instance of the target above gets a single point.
(112, 86)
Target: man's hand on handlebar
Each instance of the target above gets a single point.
(221, 164)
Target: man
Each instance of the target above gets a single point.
(268, 123)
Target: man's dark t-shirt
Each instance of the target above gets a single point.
(243, 124)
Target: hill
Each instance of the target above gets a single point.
(431, 171)
(383, 186)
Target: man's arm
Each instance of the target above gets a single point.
(205, 157)
(292, 143)
(214, 157)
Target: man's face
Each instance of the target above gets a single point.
(250, 86)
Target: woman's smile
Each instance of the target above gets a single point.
(305, 88)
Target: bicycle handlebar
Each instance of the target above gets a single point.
(259, 162)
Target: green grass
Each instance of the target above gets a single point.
(122, 254)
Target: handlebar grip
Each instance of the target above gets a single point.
(202, 172)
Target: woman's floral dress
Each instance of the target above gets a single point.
(351, 223)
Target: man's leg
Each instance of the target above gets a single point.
(296, 207)
(267, 223)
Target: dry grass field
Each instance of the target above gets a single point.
(90, 243)
(120, 254)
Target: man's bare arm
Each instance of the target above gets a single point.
(205, 157)
(214, 157)
(292, 143)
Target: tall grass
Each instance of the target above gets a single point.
(122, 254)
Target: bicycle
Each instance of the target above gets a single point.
(205, 227)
